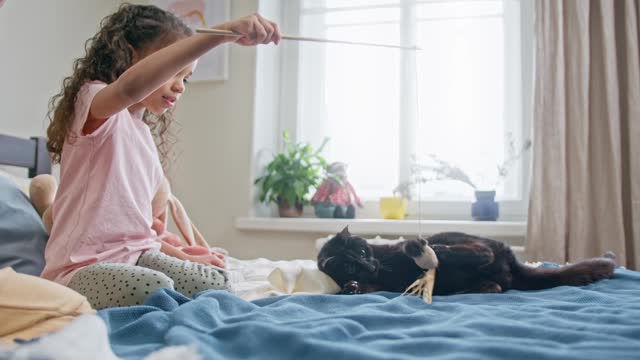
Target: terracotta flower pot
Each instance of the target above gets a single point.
(287, 211)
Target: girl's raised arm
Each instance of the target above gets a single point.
(150, 73)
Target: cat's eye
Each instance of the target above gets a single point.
(363, 253)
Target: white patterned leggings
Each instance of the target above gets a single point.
(113, 284)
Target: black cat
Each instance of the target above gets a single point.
(467, 264)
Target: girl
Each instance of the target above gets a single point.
(135, 70)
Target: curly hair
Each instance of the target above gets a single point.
(109, 53)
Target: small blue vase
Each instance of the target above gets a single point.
(485, 208)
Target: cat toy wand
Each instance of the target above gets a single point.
(312, 39)
(424, 285)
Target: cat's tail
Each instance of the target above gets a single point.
(582, 273)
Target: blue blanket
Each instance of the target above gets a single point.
(599, 321)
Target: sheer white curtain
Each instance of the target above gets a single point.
(586, 171)
(460, 98)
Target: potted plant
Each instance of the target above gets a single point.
(485, 208)
(291, 175)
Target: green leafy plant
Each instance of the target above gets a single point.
(292, 174)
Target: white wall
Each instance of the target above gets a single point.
(38, 42)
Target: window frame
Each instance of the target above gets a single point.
(521, 19)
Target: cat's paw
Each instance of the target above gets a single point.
(489, 288)
(351, 288)
(594, 270)
(485, 256)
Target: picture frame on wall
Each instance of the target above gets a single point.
(213, 66)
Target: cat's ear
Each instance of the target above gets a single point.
(345, 232)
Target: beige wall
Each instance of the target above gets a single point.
(39, 40)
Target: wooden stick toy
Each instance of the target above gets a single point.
(301, 38)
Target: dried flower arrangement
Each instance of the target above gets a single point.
(438, 169)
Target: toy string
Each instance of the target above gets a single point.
(416, 99)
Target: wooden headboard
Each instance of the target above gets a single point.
(28, 153)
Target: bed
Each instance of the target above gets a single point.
(268, 317)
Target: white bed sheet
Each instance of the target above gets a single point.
(259, 278)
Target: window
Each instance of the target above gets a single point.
(459, 98)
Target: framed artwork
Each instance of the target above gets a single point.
(199, 14)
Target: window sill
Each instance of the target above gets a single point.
(383, 227)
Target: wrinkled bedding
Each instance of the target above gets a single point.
(592, 322)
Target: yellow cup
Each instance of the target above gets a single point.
(394, 207)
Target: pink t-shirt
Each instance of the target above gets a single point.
(102, 211)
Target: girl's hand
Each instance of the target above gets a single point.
(207, 259)
(255, 28)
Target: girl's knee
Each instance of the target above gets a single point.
(150, 282)
(159, 280)
(115, 285)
